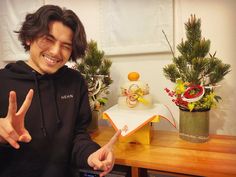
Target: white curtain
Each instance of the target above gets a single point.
(12, 14)
(135, 26)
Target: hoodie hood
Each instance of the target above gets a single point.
(20, 70)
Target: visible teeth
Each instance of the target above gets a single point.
(50, 60)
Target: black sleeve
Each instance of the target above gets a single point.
(83, 145)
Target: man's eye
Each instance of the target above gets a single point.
(66, 47)
(48, 39)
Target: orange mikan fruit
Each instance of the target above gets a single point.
(133, 76)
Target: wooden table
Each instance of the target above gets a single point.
(168, 153)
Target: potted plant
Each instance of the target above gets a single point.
(196, 73)
(95, 68)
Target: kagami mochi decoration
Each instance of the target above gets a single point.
(134, 94)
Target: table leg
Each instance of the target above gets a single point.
(134, 171)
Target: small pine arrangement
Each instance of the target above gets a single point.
(95, 68)
(195, 71)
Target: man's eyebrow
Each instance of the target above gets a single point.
(66, 43)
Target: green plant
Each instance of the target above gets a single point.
(195, 73)
(95, 68)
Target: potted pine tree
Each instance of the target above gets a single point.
(196, 73)
(95, 68)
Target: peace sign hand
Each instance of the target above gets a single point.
(12, 127)
(103, 159)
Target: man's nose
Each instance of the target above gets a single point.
(55, 49)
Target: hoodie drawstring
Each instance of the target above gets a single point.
(56, 105)
(43, 128)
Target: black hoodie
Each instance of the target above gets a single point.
(56, 120)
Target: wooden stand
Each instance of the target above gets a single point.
(142, 136)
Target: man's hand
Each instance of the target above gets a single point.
(103, 159)
(12, 127)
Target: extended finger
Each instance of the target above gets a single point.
(114, 138)
(26, 104)
(12, 107)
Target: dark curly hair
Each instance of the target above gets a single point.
(36, 25)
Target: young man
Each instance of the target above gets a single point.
(44, 107)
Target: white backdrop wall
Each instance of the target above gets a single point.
(12, 13)
(218, 25)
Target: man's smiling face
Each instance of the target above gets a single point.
(50, 52)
